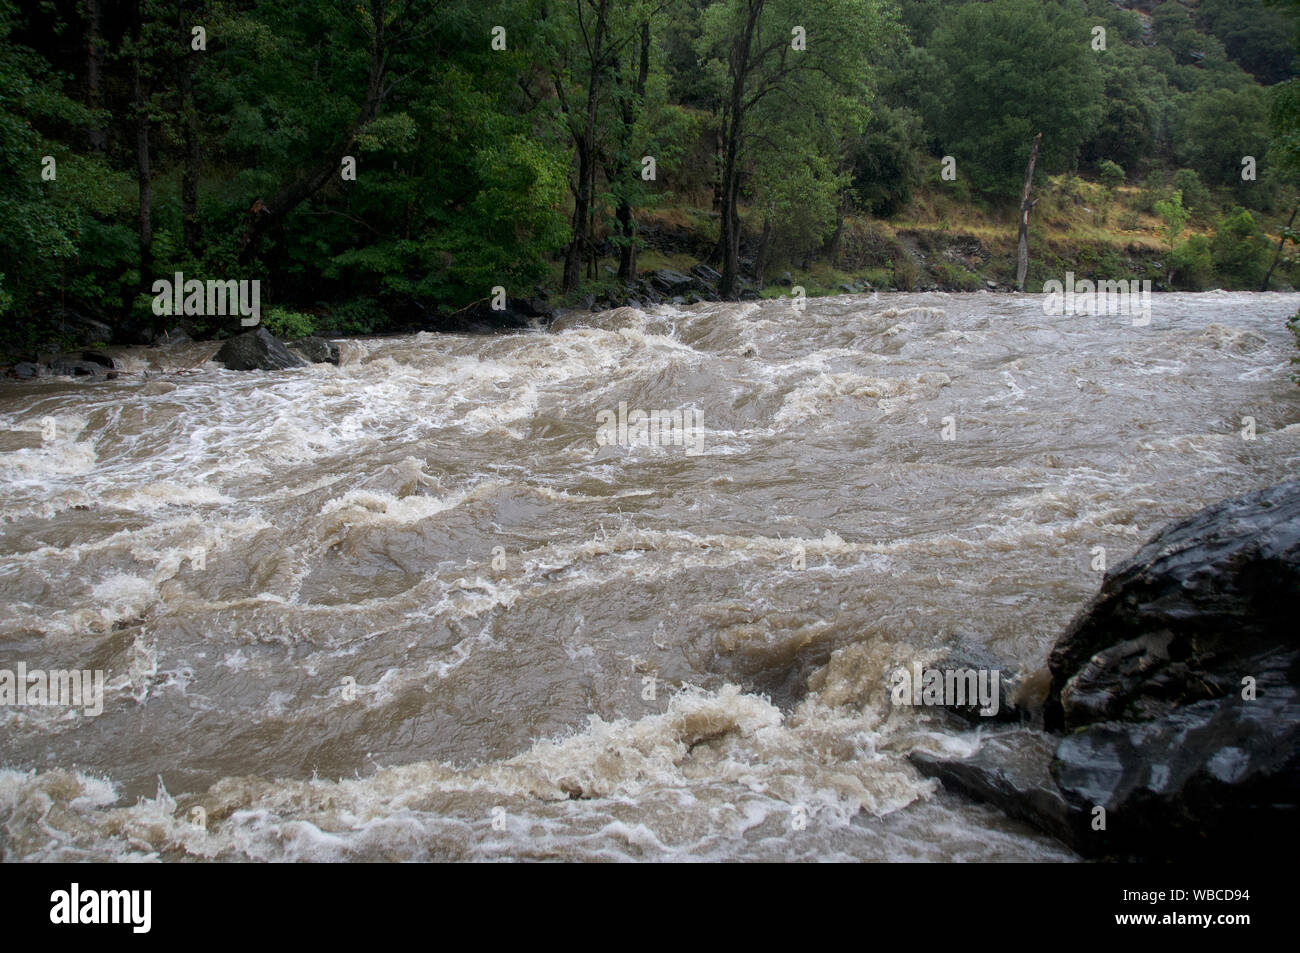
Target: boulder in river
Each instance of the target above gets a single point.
(1177, 689)
(257, 350)
(83, 364)
(316, 350)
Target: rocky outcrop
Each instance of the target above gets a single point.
(671, 282)
(1175, 697)
(257, 350)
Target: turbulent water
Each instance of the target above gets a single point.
(435, 619)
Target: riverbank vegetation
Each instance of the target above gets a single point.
(381, 165)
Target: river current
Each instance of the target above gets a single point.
(411, 607)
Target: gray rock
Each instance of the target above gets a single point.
(177, 335)
(1205, 603)
(257, 350)
(27, 370)
(705, 273)
(74, 365)
(1011, 770)
(1178, 689)
(671, 282)
(316, 350)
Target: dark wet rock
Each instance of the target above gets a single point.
(536, 307)
(1207, 602)
(706, 274)
(78, 329)
(95, 357)
(27, 370)
(1178, 689)
(1011, 770)
(972, 656)
(131, 334)
(177, 335)
(76, 365)
(257, 350)
(316, 350)
(1198, 782)
(519, 314)
(671, 282)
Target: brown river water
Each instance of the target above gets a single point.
(434, 618)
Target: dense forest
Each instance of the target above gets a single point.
(383, 164)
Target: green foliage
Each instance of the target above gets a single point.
(887, 161)
(1239, 250)
(1195, 196)
(355, 316)
(1011, 69)
(1175, 217)
(1254, 35)
(1110, 173)
(1193, 265)
(953, 276)
(287, 324)
(1220, 128)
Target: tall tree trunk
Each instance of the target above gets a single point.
(764, 244)
(626, 223)
(1280, 245)
(1022, 254)
(586, 146)
(94, 64)
(730, 226)
(265, 214)
(141, 107)
(190, 134)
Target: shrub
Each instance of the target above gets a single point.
(1193, 263)
(1110, 173)
(1239, 250)
(955, 276)
(287, 324)
(1196, 197)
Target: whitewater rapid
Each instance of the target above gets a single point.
(410, 607)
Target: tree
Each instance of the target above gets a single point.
(777, 61)
(1014, 68)
(1219, 129)
(1175, 218)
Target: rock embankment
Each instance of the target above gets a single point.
(1171, 728)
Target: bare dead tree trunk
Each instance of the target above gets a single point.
(1280, 245)
(1022, 254)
